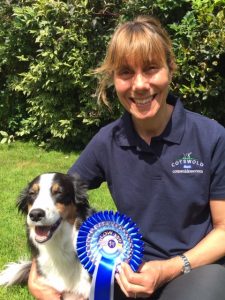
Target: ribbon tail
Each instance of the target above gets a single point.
(103, 280)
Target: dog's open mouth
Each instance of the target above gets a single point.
(44, 233)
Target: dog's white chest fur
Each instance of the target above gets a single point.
(60, 265)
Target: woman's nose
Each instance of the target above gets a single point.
(140, 82)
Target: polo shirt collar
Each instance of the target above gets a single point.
(126, 135)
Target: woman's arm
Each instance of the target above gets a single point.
(154, 274)
(212, 247)
(38, 289)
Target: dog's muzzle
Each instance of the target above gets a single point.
(43, 233)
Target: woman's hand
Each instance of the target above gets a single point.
(150, 276)
(37, 287)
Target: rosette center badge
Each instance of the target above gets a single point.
(110, 244)
(104, 241)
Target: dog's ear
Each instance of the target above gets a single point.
(80, 191)
(22, 201)
(81, 198)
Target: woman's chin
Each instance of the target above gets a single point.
(143, 112)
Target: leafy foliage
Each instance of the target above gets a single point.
(6, 138)
(48, 48)
(199, 44)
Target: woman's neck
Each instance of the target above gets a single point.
(149, 128)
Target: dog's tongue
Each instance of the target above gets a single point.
(42, 230)
(44, 233)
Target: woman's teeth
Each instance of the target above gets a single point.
(143, 100)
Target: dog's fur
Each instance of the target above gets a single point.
(55, 205)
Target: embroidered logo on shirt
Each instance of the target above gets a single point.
(187, 164)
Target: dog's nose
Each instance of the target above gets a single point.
(37, 214)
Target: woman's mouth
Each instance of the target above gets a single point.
(142, 100)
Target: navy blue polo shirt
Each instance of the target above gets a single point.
(165, 187)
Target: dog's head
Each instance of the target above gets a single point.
(51, 199)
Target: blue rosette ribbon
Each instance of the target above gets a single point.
(104, 241)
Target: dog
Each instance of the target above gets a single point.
(55, 206)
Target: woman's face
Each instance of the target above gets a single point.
(142, 90)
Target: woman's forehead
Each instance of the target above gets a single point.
(139, 53)
(134, 61)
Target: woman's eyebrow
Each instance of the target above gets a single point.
(124, 67)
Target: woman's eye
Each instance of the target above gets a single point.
(124, 72)
(150, 69)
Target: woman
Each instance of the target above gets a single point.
(165, 168)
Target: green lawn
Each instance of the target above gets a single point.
(20, 163)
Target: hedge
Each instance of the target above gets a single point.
(49, 47)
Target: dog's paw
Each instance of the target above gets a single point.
(83, 290)
(81, 298)
(70, 296)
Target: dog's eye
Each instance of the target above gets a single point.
(57, 192)
(32, 193)
(57, 189)
(34, 189)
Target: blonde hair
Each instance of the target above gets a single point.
(144, 41)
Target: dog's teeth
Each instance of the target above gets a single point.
(44, 233)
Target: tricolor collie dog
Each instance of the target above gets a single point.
(55, 205)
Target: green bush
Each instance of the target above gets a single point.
(199, 41)
(49, 43)
(47, 49)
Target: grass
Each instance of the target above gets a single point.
(20, 163)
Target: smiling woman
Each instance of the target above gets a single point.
(143, 42)
(143, 93)
(179, 208)
(140, 62)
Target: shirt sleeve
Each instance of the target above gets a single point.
(217, 187)
(88, 165)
